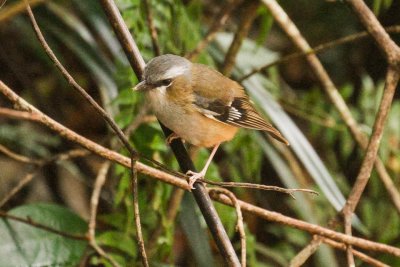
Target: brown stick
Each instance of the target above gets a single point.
(311, 228)
(317, 49)
(219, 21)
(249, 13)
(39, 164)
(152, 28)
(389, 48)
(239, 223)
(18, 157)
(94, 201)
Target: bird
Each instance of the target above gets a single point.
(199, 104)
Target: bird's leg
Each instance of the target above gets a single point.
(198, 175)
(172, 137)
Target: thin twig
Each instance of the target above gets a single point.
(324, 120)
(94, 201)
(349, 248)
(2, 3)
(217, 24)
(306, 252)
(28, 177)
(358, 254)
(140, 118)
(260, 187)
(21, 184)
(248, 14)
(14, 8)
(239, 223)
(133, 154)
(19, 157)
(389, 48)
(152, 28)
(310, 249)
(317, 49)
(311, 228)
(392, 79)
(32, 223)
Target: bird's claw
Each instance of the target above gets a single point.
(194, 176)
(172, 137)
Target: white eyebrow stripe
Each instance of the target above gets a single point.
(175, 71)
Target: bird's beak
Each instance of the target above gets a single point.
(142, 86)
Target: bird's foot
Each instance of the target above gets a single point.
(172, 137)
(194, 176)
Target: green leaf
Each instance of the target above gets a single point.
(25, 245)
(118, 240)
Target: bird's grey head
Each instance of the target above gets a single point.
(165, 68)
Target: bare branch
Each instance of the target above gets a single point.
(311, 228)
(94, 201)
(260, 187)
(152, 28)
(248, 14)
(389, 48)
(306, 252)
(19, 157)
(21, 184)
(14, 8)
(315, 50)
(392, 79)
(219, 21)
(40, 163)
(360, 255)
(239, 223)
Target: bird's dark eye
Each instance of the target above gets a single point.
(166, 82)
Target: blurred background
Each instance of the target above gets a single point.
(323, 155)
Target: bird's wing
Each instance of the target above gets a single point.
(237, 112)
